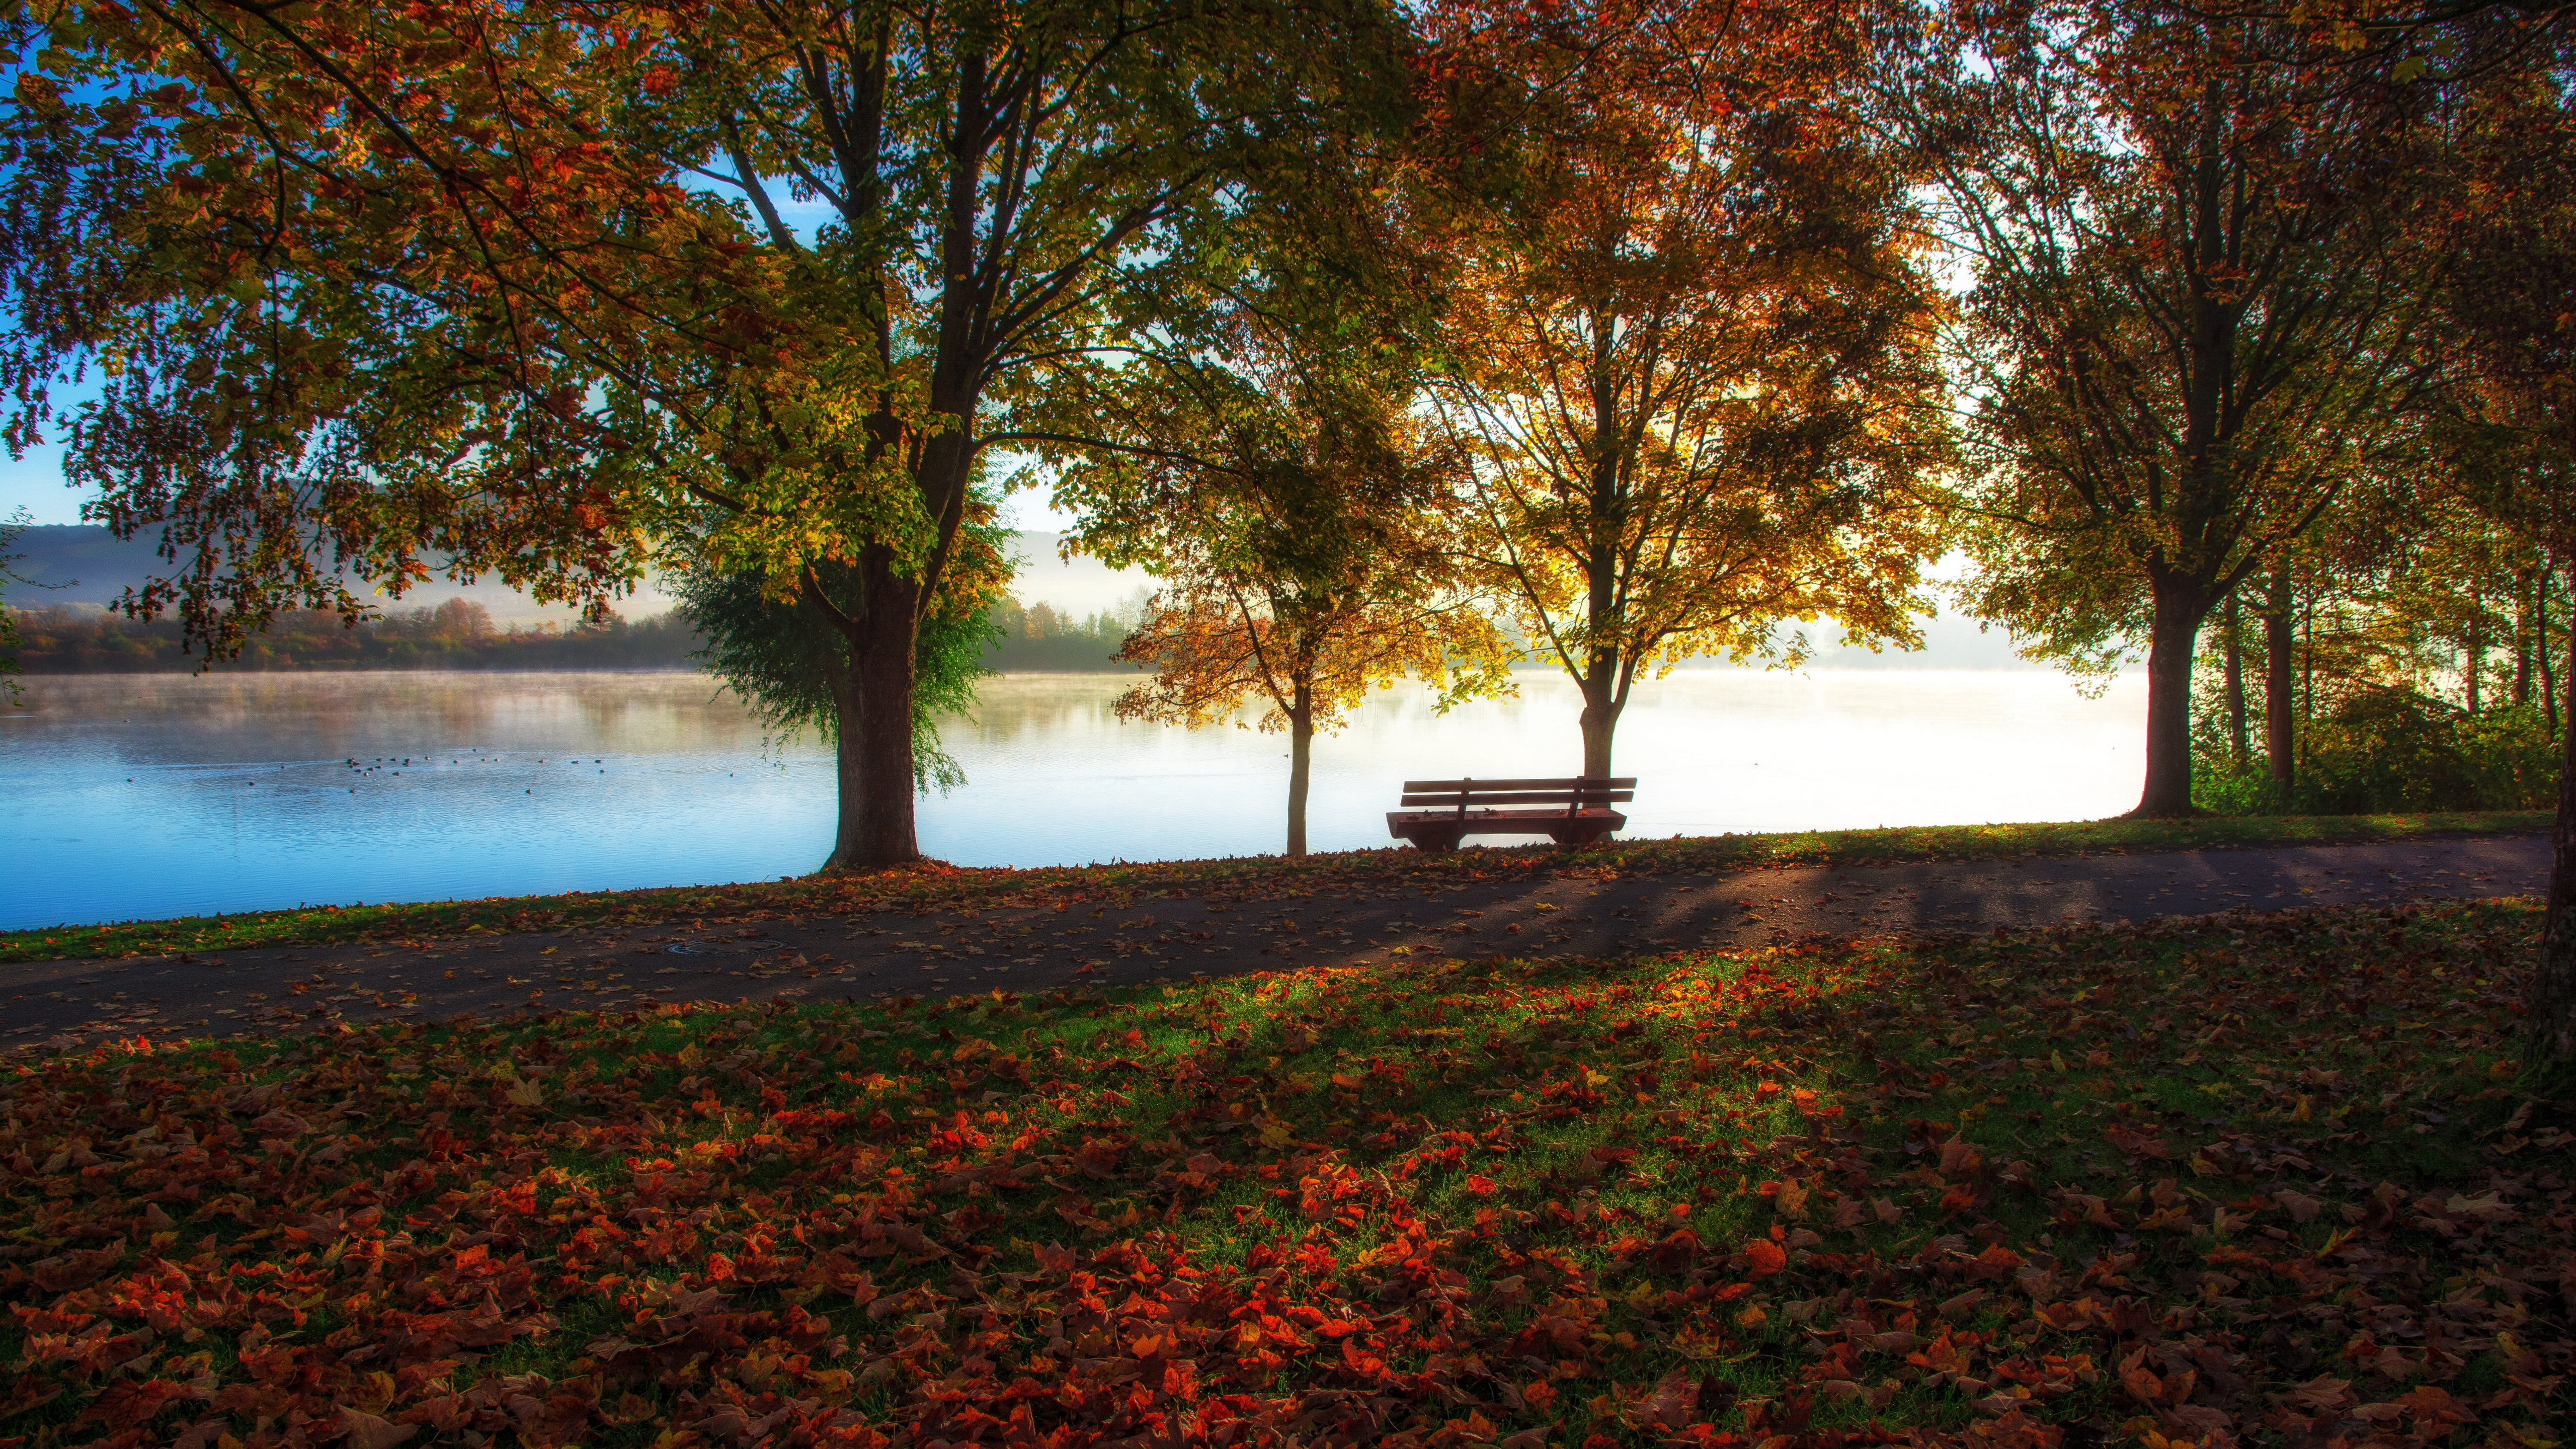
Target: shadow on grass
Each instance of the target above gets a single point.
(2180, 1183)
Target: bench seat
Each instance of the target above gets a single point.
(1442, 829)
(1572, 811)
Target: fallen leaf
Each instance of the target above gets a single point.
(366, 1431)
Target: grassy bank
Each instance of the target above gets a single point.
(938, 887)
(2173, 1185)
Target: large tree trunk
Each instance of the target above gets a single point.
(2550, 1028)
(2237, 739)
(877, 784)
(2280, 678)
(1608, 506)
(1601, 707)
(875, 705)
(849, 777)
(2179, 608)
(1301, 755)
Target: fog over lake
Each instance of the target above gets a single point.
(126, 796)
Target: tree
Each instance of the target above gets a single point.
(521, 285)
(1258, 450)
(2512, 231)
(1263, 461)
(790, 661)
(2279, 612)
(1689, 355)
(10, 528)
(2189, 327)
(1300, 576)
(2337, 579)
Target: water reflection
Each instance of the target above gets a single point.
(1042, 704)
(151, 795)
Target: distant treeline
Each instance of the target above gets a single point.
(460, 634)
(1040, 638)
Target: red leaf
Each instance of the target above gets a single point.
(1763, 1258)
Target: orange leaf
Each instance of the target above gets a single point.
(1762, 1259)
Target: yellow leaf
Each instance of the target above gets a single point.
(2486, 1207)
(525, 1093)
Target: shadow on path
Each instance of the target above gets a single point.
(65, 1005)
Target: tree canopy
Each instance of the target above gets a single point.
(1689, 358)
(1263, 455)
(2191, 322)
(786, 659)
(1397, 337)
(549, 291)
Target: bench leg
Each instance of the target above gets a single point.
(1437, 842)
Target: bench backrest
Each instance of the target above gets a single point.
(1576, 793)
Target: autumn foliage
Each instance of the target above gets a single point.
(512, 289)
(1689, 355)
(2187, 1185)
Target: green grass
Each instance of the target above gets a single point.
(2153, 1180)
(941, 887)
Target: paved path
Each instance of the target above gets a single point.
(59, 1005)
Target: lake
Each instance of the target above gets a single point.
(138, 796)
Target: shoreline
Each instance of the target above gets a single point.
(933, 885)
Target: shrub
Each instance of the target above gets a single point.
(2383, 749)
(2512, 757)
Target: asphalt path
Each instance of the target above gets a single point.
(68, 1005)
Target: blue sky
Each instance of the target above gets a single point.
(35, 483)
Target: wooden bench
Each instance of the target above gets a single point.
(1570, 812)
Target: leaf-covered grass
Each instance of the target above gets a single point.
(934, 886)
(2187, 1183)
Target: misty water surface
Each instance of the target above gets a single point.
(128, 796)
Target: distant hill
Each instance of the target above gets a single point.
(95, 568)
(86, 566)
(79, 565)
(458, 634)
(79, 572)
(99, 568)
